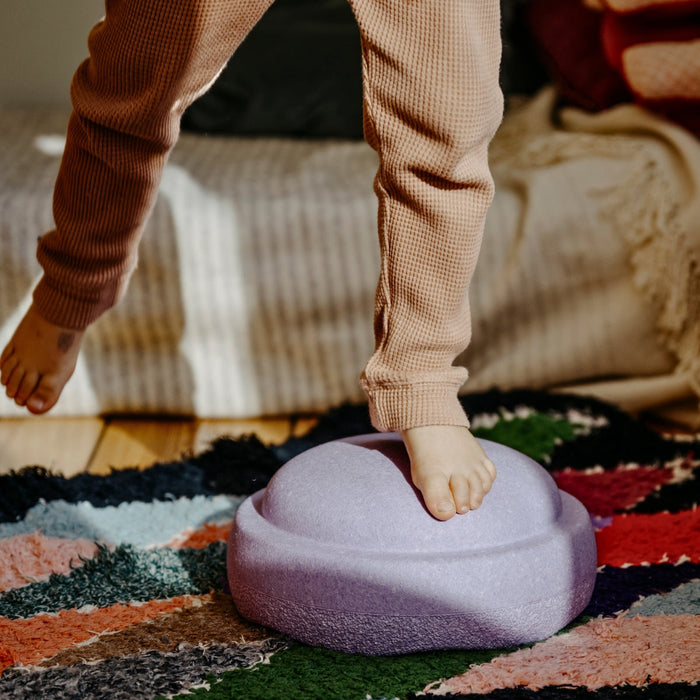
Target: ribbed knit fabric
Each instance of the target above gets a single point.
(432, 104)
(148, 61)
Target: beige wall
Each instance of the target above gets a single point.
(41, 44)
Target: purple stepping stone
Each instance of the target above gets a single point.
(339, 551)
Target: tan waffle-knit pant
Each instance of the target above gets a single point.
(432, 104)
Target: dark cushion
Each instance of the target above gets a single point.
(299, 72)
(522, 71)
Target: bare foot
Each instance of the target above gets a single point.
(38, 361)
(449, 467)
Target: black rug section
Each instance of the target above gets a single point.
(148, 675)
(242, 466)
(617, 588)
(624, 439)
(673, 497)
(19, 491)
(339, 422)
(654, 691)
(237, 466)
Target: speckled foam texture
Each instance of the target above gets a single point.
(339, 551)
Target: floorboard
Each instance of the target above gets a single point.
(269, 430)
(140, 443)
(63, 445)
(69, 446)
(303, 424)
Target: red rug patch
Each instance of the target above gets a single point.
(637, 539)
(604, 493)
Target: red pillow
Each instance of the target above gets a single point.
(657, 56)
(650, 9)
(601, 52)
(567, 36)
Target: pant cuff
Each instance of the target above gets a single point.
(70, 311)
(410, 406)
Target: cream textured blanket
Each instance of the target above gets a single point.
(254, 291)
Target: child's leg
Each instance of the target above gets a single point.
(148, 62)
(432, 104)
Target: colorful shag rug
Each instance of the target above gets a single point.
(115, 586)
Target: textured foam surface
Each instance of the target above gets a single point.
(340, 551)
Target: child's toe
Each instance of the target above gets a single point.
(14, 380)
(476, 493)
(438, 496)
(37, 404)
(461, 489)
(490, 468)
(8, 367)
(26, 387)
(44, 396)
(6, 353)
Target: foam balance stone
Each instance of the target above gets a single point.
(339, 551)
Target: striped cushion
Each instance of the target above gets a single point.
(602, 52)
(657, 8)
(658, 55)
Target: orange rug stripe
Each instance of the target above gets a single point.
(28, 641)
(217, 622)
(199, 539)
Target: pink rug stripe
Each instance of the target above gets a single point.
(604, 652)
(29, 558)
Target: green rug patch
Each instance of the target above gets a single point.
(320, 674)
(535, 435)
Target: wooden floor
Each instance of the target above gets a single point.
(69, 446)
(72, 445)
